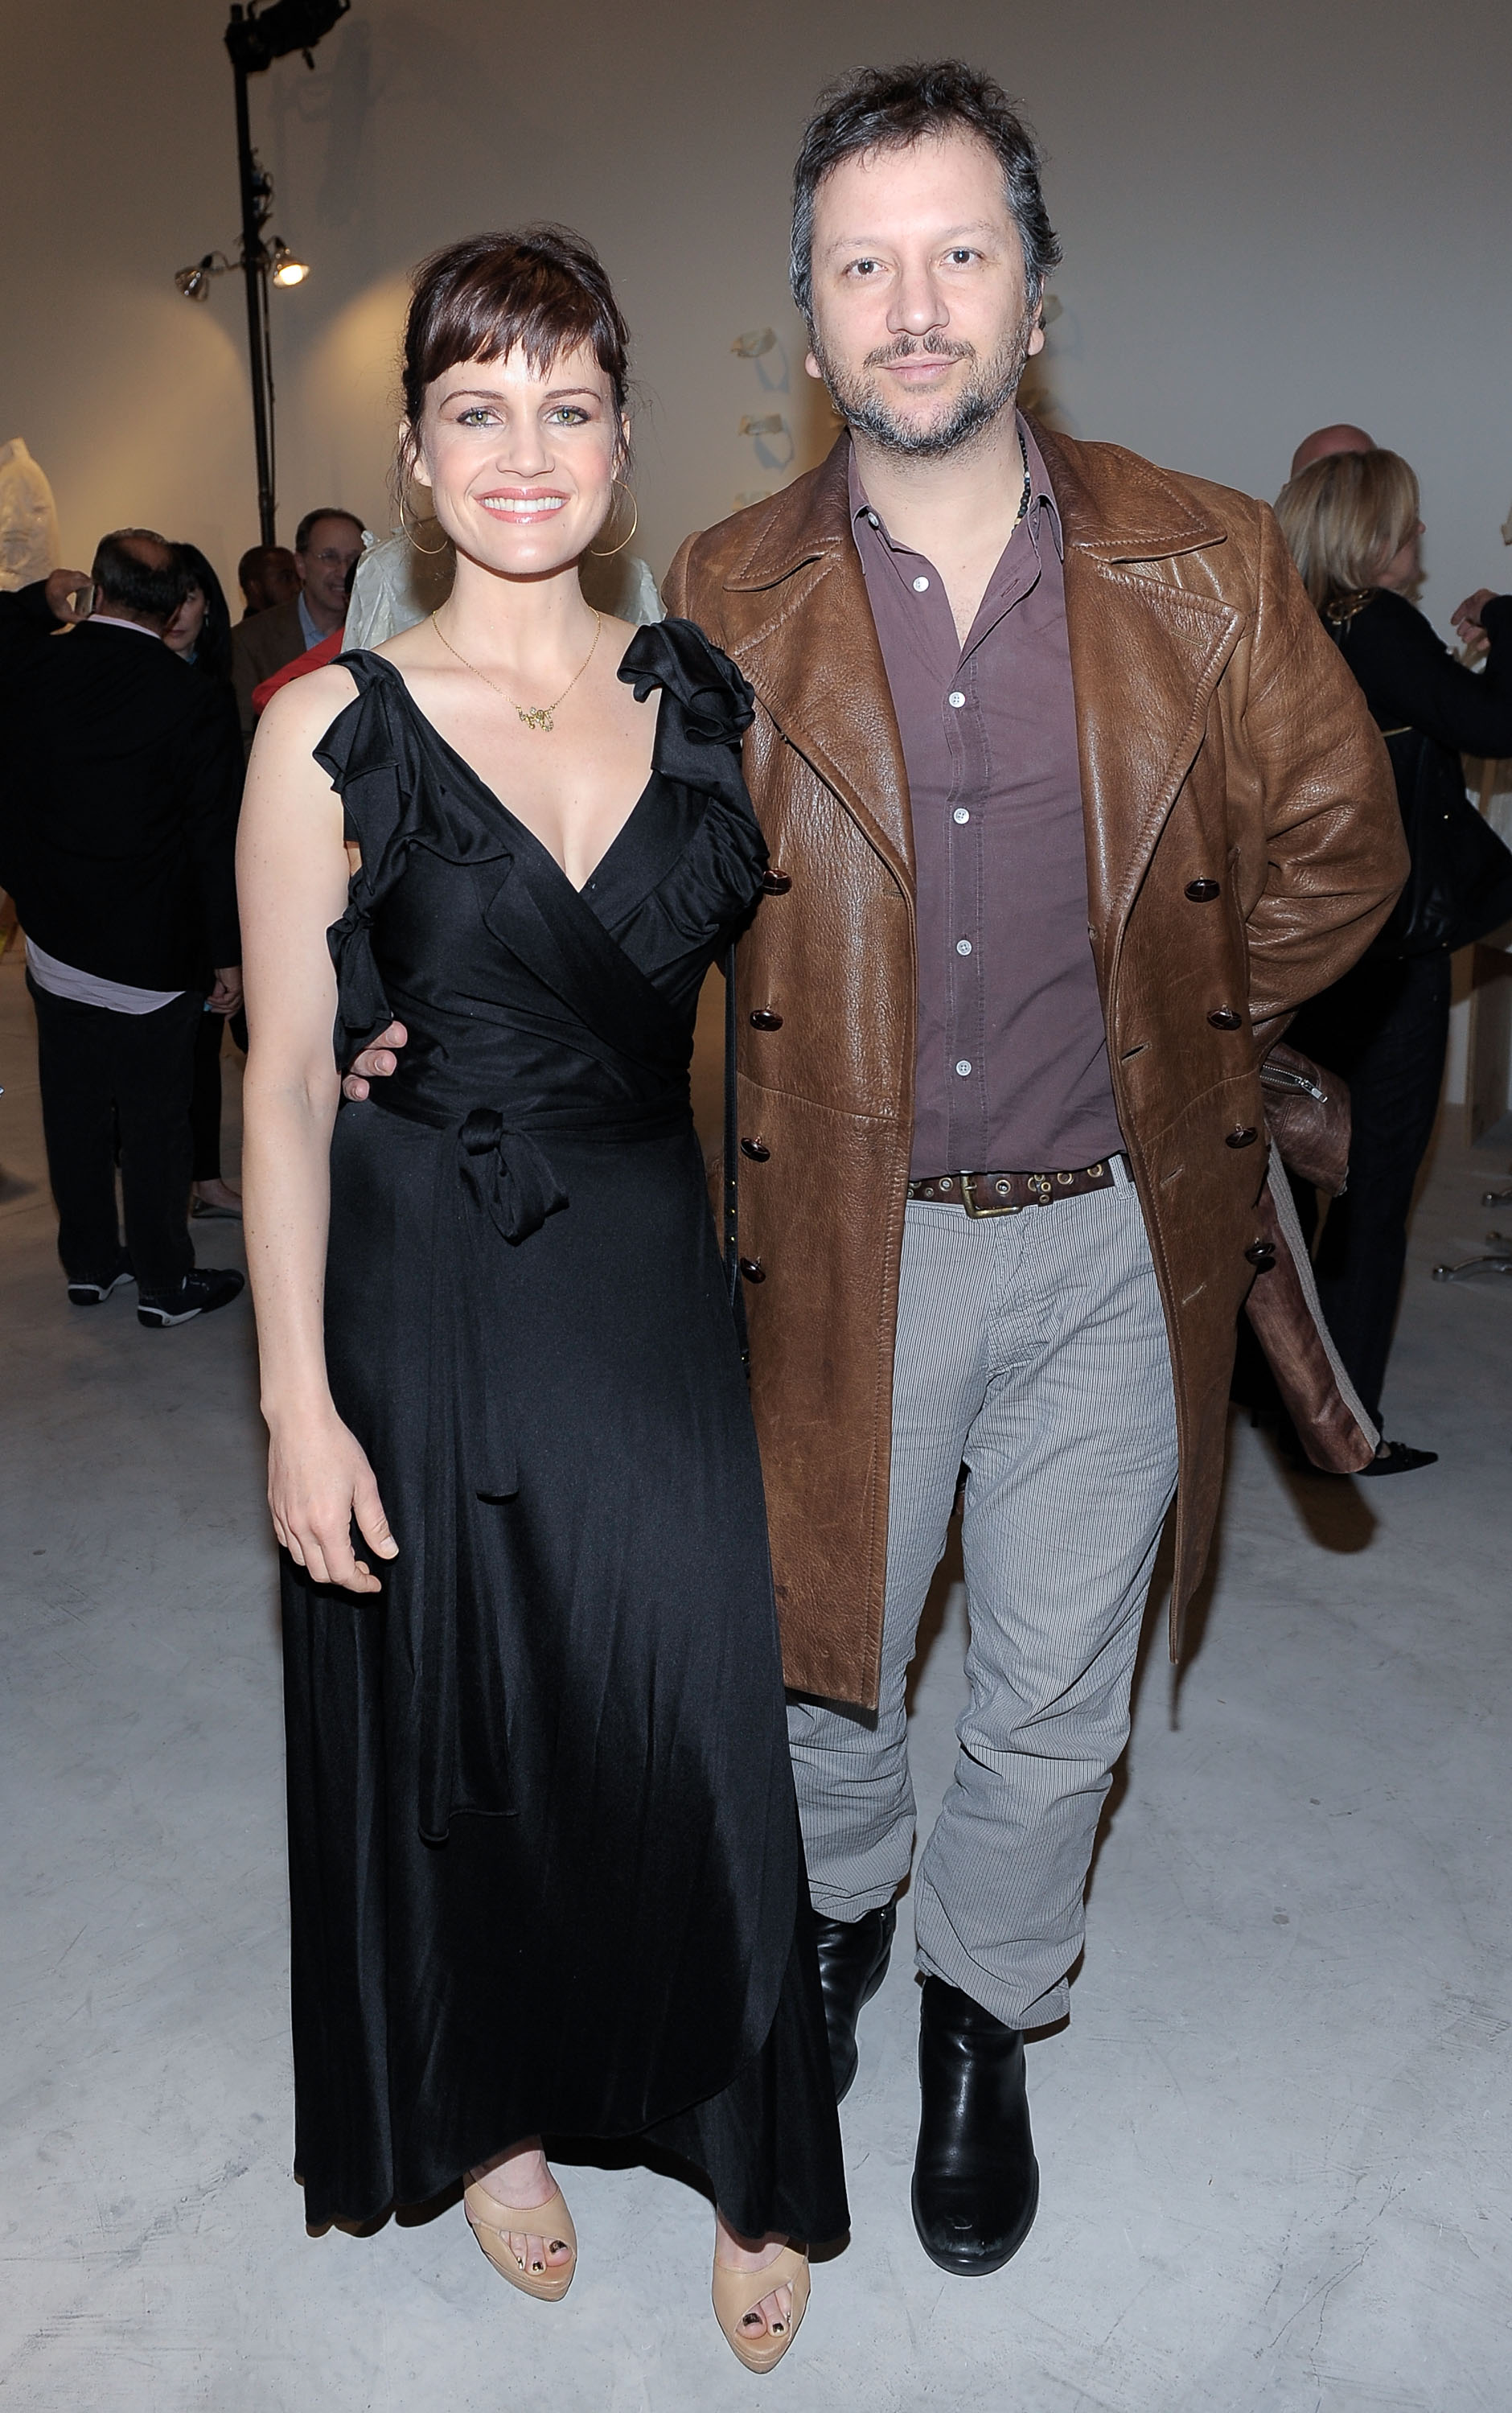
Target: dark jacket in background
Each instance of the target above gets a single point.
(1431, 710)
(26, 607)
(1412, 680)
(120, 784)
(260, 645)
(1385, 1026)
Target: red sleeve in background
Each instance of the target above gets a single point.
(316, 660)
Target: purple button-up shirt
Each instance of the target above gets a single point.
(1013, 1072)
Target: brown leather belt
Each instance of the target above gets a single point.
(1008, 1194)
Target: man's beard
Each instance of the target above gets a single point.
(988, 388)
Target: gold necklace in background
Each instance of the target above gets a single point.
(535, 716)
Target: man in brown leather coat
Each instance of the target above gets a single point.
(1071, 803)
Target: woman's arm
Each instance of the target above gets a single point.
(1412, 680)
(291, 874)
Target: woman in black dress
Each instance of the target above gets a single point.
(545, 1867)
(1351, 521)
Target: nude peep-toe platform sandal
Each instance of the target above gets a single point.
(492, 2222)
(738, 2292)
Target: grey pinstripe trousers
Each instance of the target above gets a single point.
(1031, 1347)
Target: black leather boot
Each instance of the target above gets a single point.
(853, 1961)
(976, 2184)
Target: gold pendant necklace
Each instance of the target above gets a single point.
(535, 716)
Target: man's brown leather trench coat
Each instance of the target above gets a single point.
(1243, 846)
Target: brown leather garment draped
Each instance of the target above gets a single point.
(1243, 846)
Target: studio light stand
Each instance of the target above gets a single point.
(255, 38)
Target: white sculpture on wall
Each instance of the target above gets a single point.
(768, 430)
(29, 546)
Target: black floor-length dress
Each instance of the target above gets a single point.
(545, 1866)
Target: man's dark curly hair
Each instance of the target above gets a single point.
(890, 108)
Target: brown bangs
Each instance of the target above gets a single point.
(542, 291)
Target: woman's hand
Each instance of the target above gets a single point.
(318, 1480)
(1465, 620)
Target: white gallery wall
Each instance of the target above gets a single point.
(1272, 215)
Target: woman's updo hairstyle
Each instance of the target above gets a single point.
(541, 290)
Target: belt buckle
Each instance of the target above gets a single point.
(969, 1200)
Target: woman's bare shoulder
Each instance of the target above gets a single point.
(291, 726)
(283, 765)
(307, 705)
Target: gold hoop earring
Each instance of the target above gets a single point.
(607, 552)
(407, 529)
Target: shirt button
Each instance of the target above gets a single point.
(874, 520)
(963, 946)
(921, 586)
(955, 698)
(965, 1064)
(960, 814)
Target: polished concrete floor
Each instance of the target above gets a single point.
(1275, 2139)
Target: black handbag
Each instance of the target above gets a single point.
(1460, 886)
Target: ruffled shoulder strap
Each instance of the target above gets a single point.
(368, 755)
(368, 667)
(709, 705)
(363, 749)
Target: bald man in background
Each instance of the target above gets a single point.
(1326, 440)
(118, 840)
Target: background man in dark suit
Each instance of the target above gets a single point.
(117, 840)
(328, 544)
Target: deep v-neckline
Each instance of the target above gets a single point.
(472, 773)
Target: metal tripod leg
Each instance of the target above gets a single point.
(1497, 1265)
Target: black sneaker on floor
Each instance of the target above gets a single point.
(94, 1293)
(198, 1293)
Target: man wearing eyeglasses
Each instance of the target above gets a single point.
(328, 544)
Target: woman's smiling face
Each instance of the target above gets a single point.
(521, 460)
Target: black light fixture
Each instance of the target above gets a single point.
(194, 283)
(283, 267)
(255, 38)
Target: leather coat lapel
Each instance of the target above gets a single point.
(1146, 654)
(801, 628)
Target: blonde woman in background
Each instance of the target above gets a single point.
(1353, 526)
